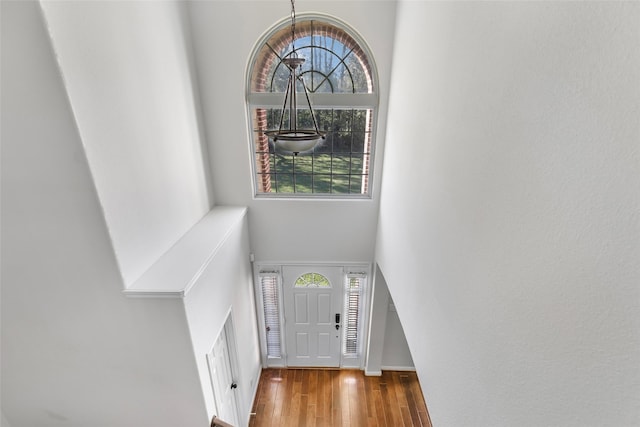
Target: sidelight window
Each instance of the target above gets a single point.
(354, 286)
(271, 312)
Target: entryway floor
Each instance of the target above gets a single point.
(332, 397)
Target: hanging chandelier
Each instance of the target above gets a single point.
(292, 138)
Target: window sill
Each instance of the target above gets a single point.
(312, 197)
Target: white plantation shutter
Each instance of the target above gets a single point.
(271, 306)
(354, 287)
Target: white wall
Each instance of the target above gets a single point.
(75, 351)
(128, 72)
(509, 232)
(224, 35)
(387, 347)
(226, 286)
(377, 324)
(4, 422)
(395, 353)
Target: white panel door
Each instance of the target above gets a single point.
(222, 381)
(312, 303)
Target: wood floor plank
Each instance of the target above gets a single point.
(380, 412)
(411, 400)
(369, 396)
(424, 418)
(389, 406)
(361, 395)
(323, 397)
(406, 417)
(344, 399)
(304, 408)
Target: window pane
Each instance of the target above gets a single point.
(343, 119)
(284, 183)
(304, 183)
(322, 163)
(359, 120)
(303, 164)
(342, 142)
(342, 164)
(312, 280)
(327, 170)
(331, 168)
(361, 82)
(325, 119)
(359, 142)
(322, 184)
(340, 184)
(356, 184)
(357, 162)
(283, 163)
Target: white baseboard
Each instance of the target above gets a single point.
(256, 383)
(398, 368)
(372, 373)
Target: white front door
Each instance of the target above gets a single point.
(313, 299)
(222, 381)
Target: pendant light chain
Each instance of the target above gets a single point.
(293, 26)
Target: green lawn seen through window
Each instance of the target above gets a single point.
(318, 173)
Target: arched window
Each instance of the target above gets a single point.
(340, 77)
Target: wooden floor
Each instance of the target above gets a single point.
(321, 397)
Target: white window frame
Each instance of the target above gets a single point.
(369, 101)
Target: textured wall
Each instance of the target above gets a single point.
(509, 229)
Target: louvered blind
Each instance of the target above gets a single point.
(270, 303)
(353, 294)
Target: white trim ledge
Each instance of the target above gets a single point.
(372, 373)
(178, 269)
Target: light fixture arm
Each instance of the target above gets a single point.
(306, 94)
(284, 106)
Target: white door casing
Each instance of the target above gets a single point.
(313, 331)
(222, 380)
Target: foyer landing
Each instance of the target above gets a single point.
(322, 397)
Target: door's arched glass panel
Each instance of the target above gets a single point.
(312, 280)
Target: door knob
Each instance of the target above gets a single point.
(233, 386)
